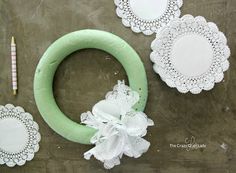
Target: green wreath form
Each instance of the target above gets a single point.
(59, 50)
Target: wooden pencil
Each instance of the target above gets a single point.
(13, 66)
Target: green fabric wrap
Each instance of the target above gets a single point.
(60, 49)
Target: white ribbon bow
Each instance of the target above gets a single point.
(120, 127)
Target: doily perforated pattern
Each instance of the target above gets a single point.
(20, 157)
(148, 27)
(162, 49)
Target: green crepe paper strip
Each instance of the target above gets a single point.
(60, 49)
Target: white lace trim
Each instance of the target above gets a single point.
(20, 157)
(162, 48)
(148, 27)
(120, 128)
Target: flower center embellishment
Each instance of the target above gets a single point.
(119, 127)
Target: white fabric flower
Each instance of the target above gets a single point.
(120, 127)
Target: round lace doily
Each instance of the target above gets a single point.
(19, 136)
(190, 54)
(147, 16)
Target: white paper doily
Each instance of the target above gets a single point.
(147, 16)
(190, 54)
(19, 136)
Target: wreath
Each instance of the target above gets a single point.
(116, 124)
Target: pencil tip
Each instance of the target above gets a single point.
(12, 40)
(14, 92)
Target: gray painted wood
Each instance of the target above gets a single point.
(85, 76)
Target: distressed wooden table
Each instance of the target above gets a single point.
(85, 76)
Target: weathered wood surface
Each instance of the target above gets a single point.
(86, 76)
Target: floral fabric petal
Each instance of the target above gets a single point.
(108, 149)
(137, 123)
(107, 111)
